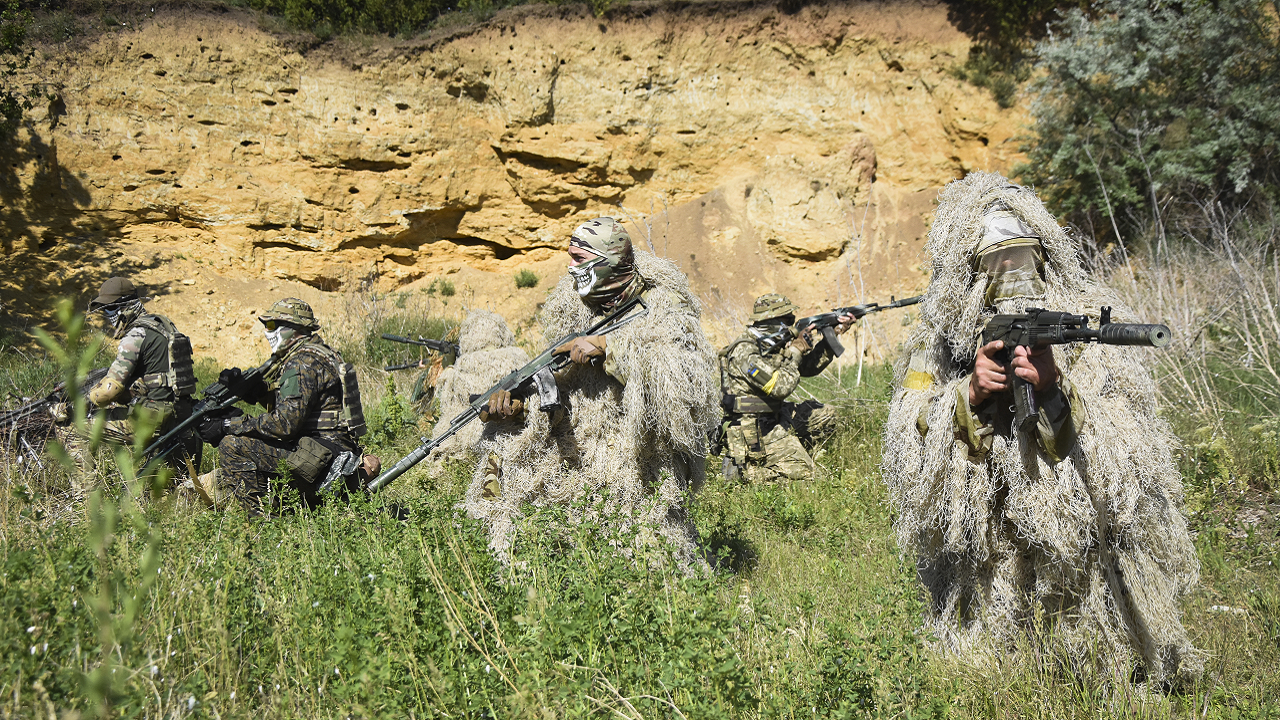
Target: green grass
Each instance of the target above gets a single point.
(526, 278)
(149, 607)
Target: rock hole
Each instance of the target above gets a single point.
(373, 111)
(353, 190)
(161, 73)
(156, 171)
(147, 56)
(247, 143)
(239, 187)
(984, 141)
(626, 58)
(130, 188)
(288, 91)
(115, 157)
(404, 106)
(269, 103)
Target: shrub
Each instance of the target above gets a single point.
(526, 279)
(1152, 104)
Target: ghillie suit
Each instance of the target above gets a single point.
(630, 441)
(486, 353)
(1079, 524)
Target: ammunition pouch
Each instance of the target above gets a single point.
(745, 404)
(310, 461)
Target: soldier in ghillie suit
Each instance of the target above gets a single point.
(1076, 519)
(311, 426)
(768, 437)
(486, 353)
(149, 383)
(630, 443)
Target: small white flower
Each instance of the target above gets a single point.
(191, 702)
(315, 604)
(154, 671)
(233, 694)
(31, 629)
(170, 638)
(45, 648)
(487, 668)
(335, 671)
(33, 649)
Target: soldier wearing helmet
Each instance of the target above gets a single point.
(758, 371)
(150, 381)
(312, 424)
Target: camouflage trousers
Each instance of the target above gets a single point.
(119, 427)
(247, 464)
(770, 446)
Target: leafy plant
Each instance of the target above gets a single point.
(1146, 105)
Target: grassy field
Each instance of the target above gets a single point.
(135, 603)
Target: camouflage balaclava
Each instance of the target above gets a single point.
(609, 277)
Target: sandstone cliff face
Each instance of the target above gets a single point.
(760, 150)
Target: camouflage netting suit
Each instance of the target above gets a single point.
(486, 353)
(768, 437)
(1079, 519)
(152, 376)
(632, 434)
(308, 401)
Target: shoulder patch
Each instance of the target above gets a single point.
(290, 383)
(758, 373)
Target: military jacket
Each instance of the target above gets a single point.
(143, 358)
(755, 382)
(305, 397)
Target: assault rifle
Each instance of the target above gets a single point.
(231, 387)
(59, 394)
(826, 322)
(535, 378)
(1039, 328)
(440, 346)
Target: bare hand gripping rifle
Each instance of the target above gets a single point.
(1039, 328)
(440, 346)
(535, 378)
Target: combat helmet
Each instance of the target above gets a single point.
(114, 291)
(291, 311)
(770, 307)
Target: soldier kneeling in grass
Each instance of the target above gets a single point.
(311, 427)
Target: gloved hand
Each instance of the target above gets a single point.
(60, 412)
(584, 349)
(501, 406)
(212, 430)
(801, 342)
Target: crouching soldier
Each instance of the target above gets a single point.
(767, 436)
(311, 426)
(149, 384)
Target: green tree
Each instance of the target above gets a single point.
(15, 97)
(1147, 108)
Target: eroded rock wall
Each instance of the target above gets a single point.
(760, 150)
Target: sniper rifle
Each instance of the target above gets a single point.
(57, 395)
(440, 346)
(535, 378)
(1038, 328)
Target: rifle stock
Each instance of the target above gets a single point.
(537, 377)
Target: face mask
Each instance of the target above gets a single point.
(1013, 275)
(587, 275)
(279, 337)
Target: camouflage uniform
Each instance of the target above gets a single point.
(305, 403)
(768, 437)
(150, 380)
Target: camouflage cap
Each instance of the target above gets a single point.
(113, 291)
(770, 306)
(292, 311)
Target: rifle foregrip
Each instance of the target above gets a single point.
(1134, 334)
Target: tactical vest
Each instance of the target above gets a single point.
(178, 374)
(731, 402)
(351, 416)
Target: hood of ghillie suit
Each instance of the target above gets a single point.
(955, 304)
(484, 330)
